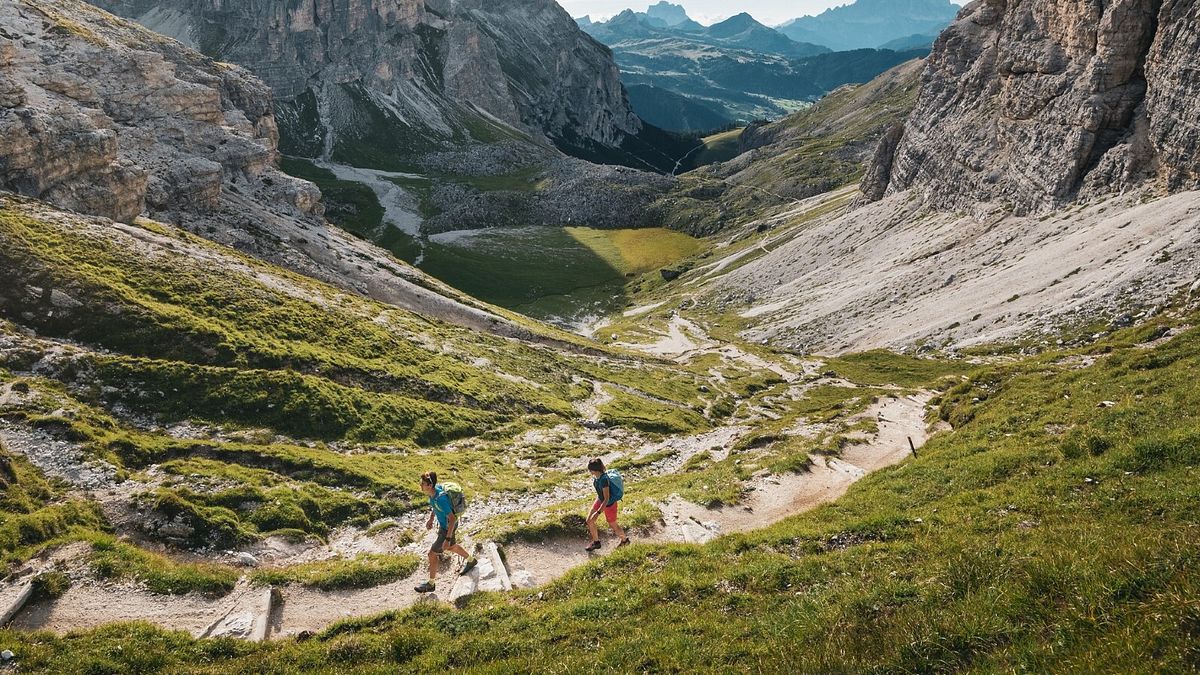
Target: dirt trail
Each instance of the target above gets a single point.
(247, 612)
(90, 604)
(771, 498)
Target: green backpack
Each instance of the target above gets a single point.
(458, 499)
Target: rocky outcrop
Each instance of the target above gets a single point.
(440, 70)
(1032, 104)
(106, 118)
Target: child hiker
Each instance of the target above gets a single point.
(610, 487)
(446, 502)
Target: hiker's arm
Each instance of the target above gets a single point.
(429, 520)
(603, 502)
(451, 523)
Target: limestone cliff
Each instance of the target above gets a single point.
(367, 80)
(103, 117)
(108, 119)
(1032, 104)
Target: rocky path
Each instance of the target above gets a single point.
(770, 498)
(250, 612)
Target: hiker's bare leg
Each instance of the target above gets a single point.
(457, 548)
(591, 525)
(433, 565)
(617, 529)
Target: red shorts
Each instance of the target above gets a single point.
(610, 511)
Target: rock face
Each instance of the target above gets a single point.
(440, 69)
(103, 117)
(1032, 104)
(96, 126)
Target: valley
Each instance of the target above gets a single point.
(900, 380)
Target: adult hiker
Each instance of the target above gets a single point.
(610, 488)
(446, 503)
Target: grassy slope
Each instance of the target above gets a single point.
(719, 147)
(1044, 533)
(313, 404)
(813, 151)
(508, 267)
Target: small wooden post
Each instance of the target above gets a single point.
(912, 446)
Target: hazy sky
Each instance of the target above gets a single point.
(770, 12)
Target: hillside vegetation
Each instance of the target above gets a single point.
(821, 148)
(239, 400)
(1053, 530)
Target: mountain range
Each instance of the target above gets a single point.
(884, 24)
(902, 381)
(687, 77)
(368, 81)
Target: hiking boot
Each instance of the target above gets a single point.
(594, 546)
(624, 542)
(427, 587)
(469, 565)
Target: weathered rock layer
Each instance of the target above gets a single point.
(108, 119)
(1032, 104)
(432, 66)
(103, 117)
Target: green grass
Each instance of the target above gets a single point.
(34, 512)
(627, 410)
(113, 559)
(720, 147)
(507, 267)
(881, 367)
(364, 571)
(1008, 544)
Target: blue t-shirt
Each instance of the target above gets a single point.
(442, 508)
(601, 483)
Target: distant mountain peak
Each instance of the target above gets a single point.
(742, 19)
(871, 23)
(670, 14)
(738, 23)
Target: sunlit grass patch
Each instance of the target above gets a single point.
(363, 571)
(113, 559)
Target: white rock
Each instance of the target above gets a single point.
(522, 579)
(7, 655)
(247, 560)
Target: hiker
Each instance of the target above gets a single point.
(446, 502)
(610, 488)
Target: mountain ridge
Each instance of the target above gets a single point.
(734, 71)
(431, 76)
(871, 23)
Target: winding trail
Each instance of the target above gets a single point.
(769, 498)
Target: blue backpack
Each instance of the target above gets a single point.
(616, 486)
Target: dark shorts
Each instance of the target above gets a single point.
(441, 542)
